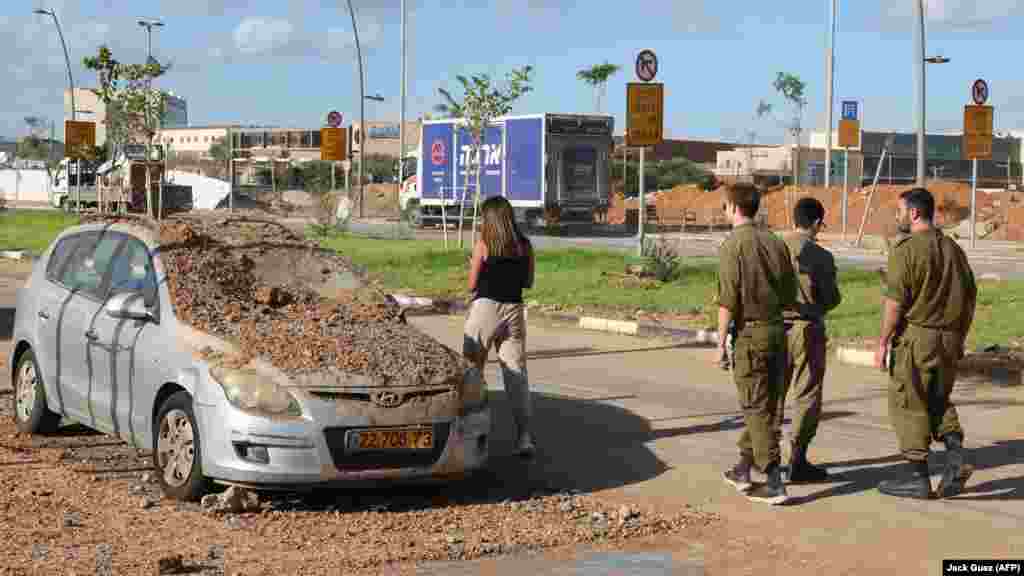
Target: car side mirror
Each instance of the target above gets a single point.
(128, 306)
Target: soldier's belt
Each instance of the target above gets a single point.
(759, 323)
(944, 329)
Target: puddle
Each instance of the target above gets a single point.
(590, 564)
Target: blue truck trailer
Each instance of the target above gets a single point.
(545, 164)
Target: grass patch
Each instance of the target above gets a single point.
(32, 230)
(592, 281)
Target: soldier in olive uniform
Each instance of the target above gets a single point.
(927, 311)
(817, 295)
(756, 283)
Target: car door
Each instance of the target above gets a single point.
(85, 277)
(51, 309)
(117, 357)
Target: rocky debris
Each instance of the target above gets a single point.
(148, 502)
(174, 564)
(284, 299)
(72, 520)
(234, 500)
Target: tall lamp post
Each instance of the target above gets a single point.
(67, 61)
(401, 121)
(831, 85)
(148, 24)
(362, 104)
(919, 78)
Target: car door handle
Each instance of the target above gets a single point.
(92, 335)
(44, 314)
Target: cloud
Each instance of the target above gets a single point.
(262, 35)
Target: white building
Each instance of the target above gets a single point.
(90, 108)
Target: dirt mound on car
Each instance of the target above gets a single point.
(278, 296)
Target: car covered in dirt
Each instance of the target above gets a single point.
(239, 353)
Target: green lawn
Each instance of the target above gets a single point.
(589, 280)
(32, 230)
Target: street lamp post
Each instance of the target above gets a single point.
(919, 77)
(401, 123)
(67, 60)
(362, 105)
(831, 86)
(148, 24)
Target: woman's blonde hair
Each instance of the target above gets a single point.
(499, 231)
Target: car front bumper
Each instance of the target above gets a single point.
(241, 448)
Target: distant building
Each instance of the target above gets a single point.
(383, 138)
(175, 112)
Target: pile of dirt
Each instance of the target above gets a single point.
(280, 297)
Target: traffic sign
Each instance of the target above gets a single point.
(978, 132)
(78, 134)
(979, 92)
(851, 110)
(644, 113)
(334, 119)
(333, 144)
(646, 65)
(849, 133)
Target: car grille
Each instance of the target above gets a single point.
(384, 459)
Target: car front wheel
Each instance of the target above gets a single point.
(30, 412)
(177, 454)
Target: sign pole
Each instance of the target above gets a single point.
(974, 195)
(846, 185)
(78, 186)
(643, 208)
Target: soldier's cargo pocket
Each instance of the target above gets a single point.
(901, 372)
(751, 376)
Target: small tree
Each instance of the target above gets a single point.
(792, 90)
(134, 107)
(597, 77)
(481, 103)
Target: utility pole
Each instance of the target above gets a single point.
(401, 123)
(831, 86)
(148, 24)
(362, 108)
(919, 80)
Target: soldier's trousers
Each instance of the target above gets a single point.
(759, 374)
(921, 376)
(805, 374)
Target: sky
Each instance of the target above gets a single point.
(289, 62)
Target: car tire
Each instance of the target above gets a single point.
(31, 414)
(177, 450)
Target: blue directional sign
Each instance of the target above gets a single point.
(850, 111)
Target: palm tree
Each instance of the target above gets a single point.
(597, 77)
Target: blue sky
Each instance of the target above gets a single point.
(289, 62)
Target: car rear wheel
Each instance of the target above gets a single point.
(177, 454)
(30, 412)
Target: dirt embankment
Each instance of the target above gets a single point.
(1000, 212)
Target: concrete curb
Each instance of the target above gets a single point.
(974, 368)
(416, 306)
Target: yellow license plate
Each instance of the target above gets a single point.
(391, 439)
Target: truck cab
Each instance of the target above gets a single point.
(73, 181)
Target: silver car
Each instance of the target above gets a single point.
(96, 341)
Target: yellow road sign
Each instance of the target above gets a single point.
(978, 132)
(78, 134)
(644, 113)
(333, 144)
(849, 133)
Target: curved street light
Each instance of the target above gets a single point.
(67, 61)
(362, 105)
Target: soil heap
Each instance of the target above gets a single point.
(304, 309)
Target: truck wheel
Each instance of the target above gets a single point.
(65, 205)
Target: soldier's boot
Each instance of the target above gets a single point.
(739, 475)
(800, 470)
(957, 471)
(773, 491)
(916, 484)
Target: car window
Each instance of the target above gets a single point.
(132, 271)
(60, 254)
(87, 267)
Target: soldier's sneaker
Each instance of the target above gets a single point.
(771, 492)
(916, 484)
(739, 475)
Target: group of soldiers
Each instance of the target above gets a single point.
(773, 296)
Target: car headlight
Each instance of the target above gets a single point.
(248, 390)
(474, 390)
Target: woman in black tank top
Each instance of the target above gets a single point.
(501, 268)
